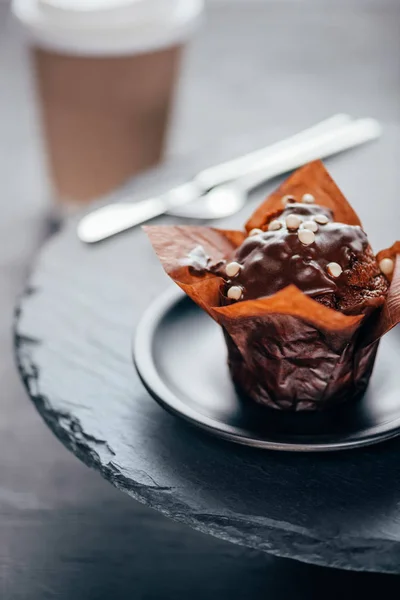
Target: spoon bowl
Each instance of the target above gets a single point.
(220, 202)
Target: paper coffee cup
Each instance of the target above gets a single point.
(106, 72)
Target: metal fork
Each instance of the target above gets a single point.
(322, 140)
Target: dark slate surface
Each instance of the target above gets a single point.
(74, 331)
(76, 318)
(64, 531)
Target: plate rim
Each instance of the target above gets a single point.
(142, 355)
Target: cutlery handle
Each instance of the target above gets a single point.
(233, 169)
(115, 218)
(330, 143)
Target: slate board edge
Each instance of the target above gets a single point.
(261, 534)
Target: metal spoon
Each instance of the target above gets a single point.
(227, 199)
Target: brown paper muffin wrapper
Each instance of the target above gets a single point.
(285, 351)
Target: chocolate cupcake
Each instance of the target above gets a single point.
(300, 295)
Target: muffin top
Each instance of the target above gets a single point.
(303, 246)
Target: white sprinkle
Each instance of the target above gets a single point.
(306, 236)
(310, 225)
(288, 199)
(235, 292)
(274, 225)
(321, 219)
(308, 199)
(293, 222)
(334, 269)
(256, 231)
(232, 269)
(386, 265)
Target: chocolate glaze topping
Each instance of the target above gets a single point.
(275, 259)
(271, 260)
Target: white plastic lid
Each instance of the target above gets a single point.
(107, 27)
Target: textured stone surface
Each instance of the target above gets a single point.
(73, 338)
(340, 510)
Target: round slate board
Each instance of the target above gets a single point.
(73, 341)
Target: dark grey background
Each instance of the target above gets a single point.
(64, 532)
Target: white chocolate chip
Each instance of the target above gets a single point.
(386, 265)
(235, 292)
(288, 199)
(274, 225)
(232, 269)
(255, 231)
(306, 236)
(321, 219)
(308, 199)
(310, 225)
(334, 269)
(293, 222)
